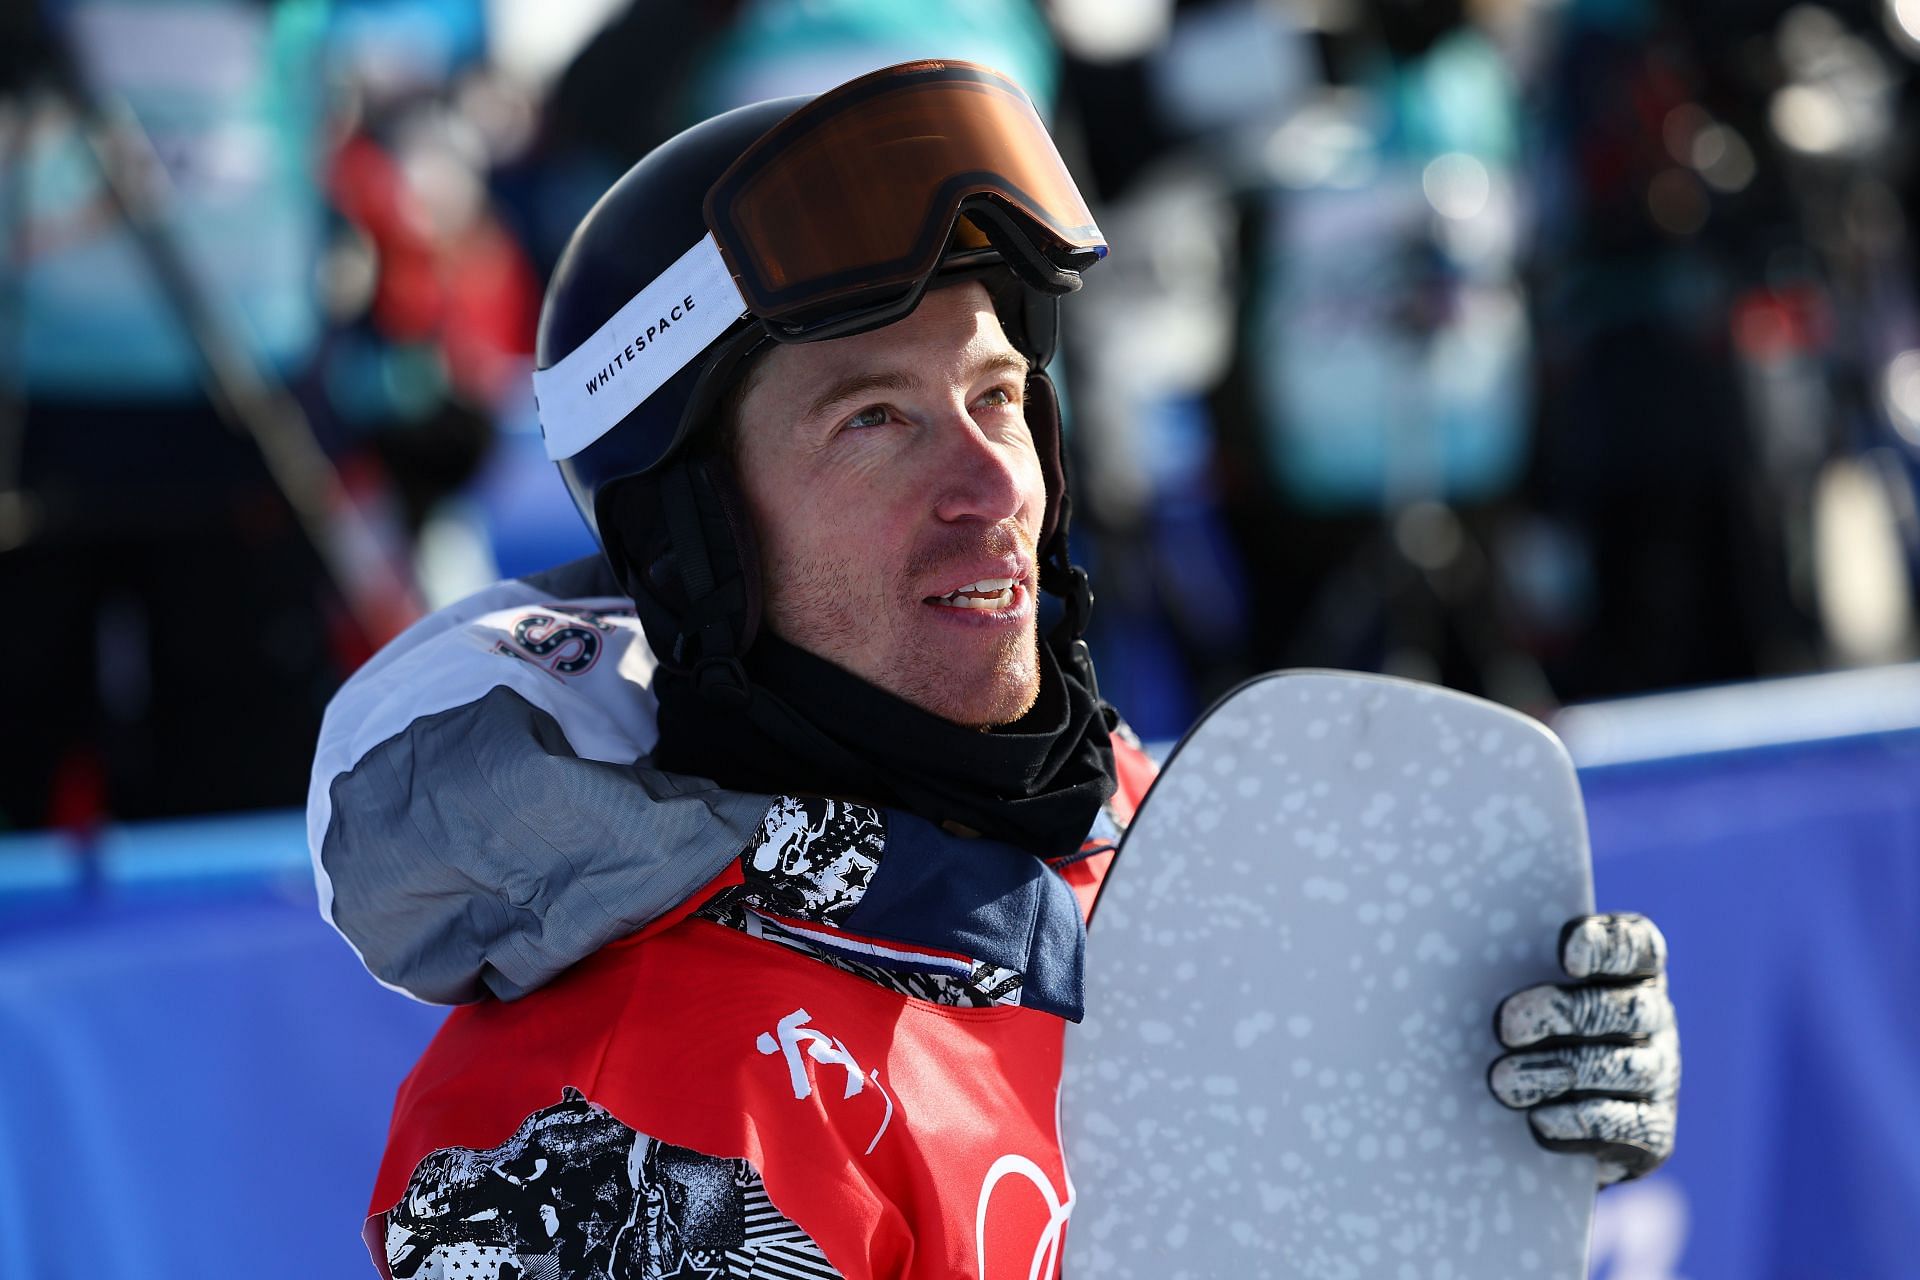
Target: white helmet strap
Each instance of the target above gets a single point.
(660, 331)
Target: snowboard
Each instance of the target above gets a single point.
(1291, 978)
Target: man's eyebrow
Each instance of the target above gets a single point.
(1001, 362)
(856, 385)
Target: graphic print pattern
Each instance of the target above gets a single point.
(576, 1193)
(985, 984)
(812, 860)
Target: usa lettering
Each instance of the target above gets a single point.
(566, 642)
(639, 344)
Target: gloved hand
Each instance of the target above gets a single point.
(1598, 1064)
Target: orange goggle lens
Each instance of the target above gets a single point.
(855, 194)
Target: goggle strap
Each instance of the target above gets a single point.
(660, 331)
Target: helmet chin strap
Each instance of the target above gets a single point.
(1059, 576)
(1066, 638)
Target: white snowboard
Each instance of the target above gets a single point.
(1291, 980)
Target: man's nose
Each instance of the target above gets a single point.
(980, 476)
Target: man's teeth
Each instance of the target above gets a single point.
(988, 593)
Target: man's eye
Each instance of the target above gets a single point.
(873, 417)
(997, 397)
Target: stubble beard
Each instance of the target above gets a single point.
(1002, 696)
(808, 606)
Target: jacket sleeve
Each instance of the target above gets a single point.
(481, 815)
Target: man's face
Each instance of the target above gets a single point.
(885, 472)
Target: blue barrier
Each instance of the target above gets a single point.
(194, 1071)
(1787, 880)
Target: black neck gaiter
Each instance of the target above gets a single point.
(812, 727)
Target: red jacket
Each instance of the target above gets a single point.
(908, 1139)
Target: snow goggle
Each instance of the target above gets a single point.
(833, 223)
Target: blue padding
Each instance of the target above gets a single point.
(191, 858)
(1788, 884)
(240, 846)
(190, 1090)
(37, 864)
(199, 1079)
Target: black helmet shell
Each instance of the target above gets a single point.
(638, 229)
(679, 542)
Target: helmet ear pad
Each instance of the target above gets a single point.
(1043, 424)
(681, 542)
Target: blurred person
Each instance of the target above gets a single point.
(599, 117)
(520, 783)
(432, 320)
(200, 632)
(283, 303)
(1827, 336)
(1372, 426)
(1159, 116)
(1685, 339)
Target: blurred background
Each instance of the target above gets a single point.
(1562, 351)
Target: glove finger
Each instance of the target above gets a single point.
(1612, 946)
(1628, 1138)
(1642, 1073)
(1583, 1011)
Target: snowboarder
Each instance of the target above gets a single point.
(793, 374)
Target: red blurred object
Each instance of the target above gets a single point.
(1773, 324)
(369, 190)
(491, 303)
(474, 292)
(77, 800)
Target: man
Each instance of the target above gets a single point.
(793, 377)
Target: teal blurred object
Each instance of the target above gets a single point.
(1391, 353)
(778, 48)
(228, 94)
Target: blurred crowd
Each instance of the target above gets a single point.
(1551, 349)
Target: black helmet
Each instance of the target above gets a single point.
(732, 235)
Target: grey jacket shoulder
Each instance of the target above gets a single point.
(482, 814)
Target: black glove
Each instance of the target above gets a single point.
(1598, 1070)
